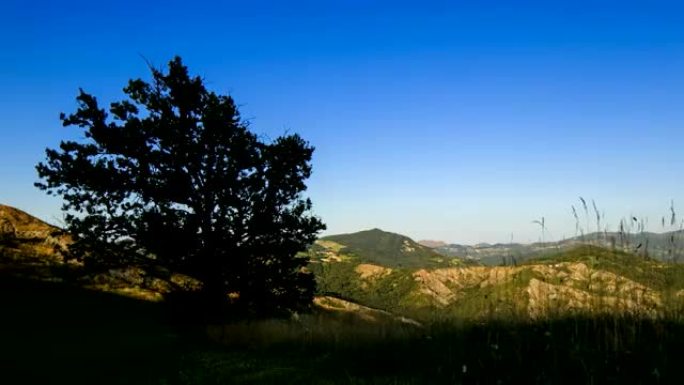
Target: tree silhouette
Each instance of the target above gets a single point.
(173, 177)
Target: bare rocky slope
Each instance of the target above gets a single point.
(27, 238)
(540, 289)
(32, 248)
(533, 290)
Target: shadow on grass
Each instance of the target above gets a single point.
(53, 333)
(57, 334)
(597, 350)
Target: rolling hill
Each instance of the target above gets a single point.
(379, 247)
(580, 280)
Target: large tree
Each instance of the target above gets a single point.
(173, 177)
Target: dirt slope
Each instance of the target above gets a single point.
(25, 237)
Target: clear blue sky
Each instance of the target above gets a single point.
(455, 122)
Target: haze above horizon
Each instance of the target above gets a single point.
(460, 123)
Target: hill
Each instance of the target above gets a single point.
(31, 248)
(28, 239)
(580, 280)
(379, 247)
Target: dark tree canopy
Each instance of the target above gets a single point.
(173, 177)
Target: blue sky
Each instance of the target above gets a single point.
(458, 121)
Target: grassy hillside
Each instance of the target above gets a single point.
(388, 289)
(382, 248)
(584, 280)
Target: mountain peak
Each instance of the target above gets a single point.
(385, 248)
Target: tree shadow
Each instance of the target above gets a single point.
(55, 333)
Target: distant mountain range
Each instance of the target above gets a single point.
(667, 246)
(432, 244)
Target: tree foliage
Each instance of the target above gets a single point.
(172, 176)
